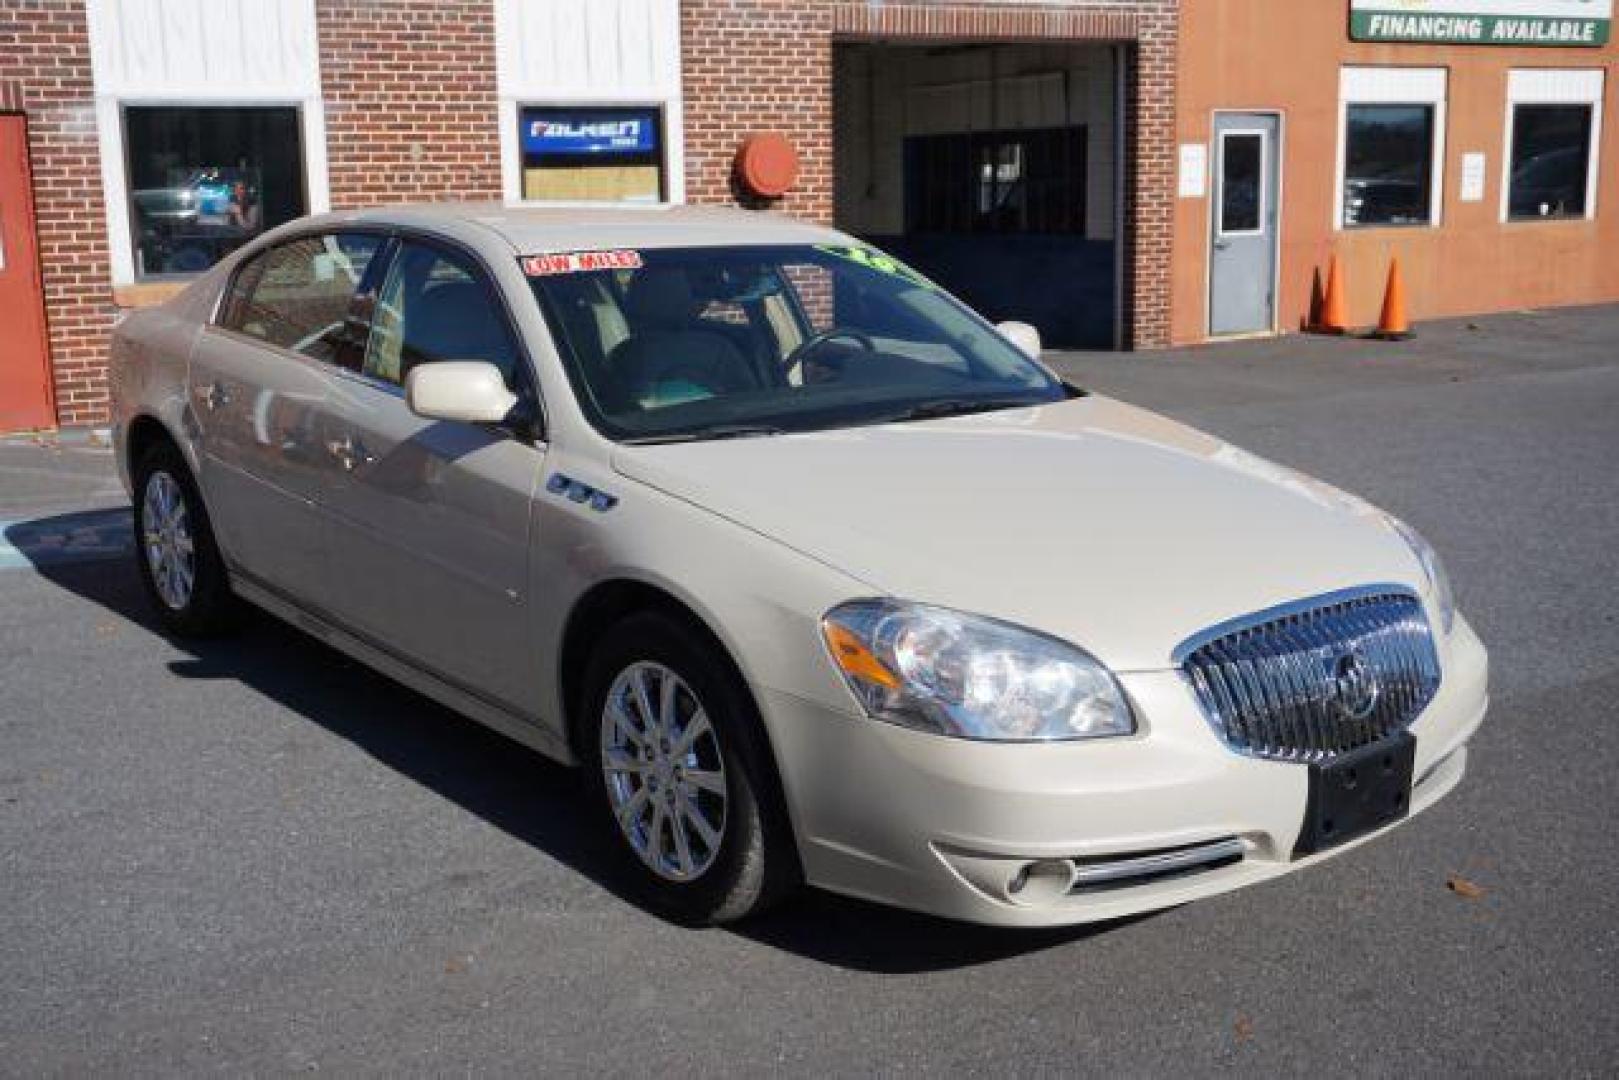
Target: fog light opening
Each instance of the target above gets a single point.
(1042, 882)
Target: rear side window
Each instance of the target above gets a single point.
(436, 305)
(297, 294)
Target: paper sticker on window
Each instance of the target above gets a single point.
(876, 260)
(579, 262)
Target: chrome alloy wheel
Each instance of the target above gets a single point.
(171, 551)
(664, 772)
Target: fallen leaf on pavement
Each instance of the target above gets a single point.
(1244, 1029)
(1463, 888)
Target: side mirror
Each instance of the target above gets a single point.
(466, 391)
(1024, 336)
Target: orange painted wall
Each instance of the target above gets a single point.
(1285, 55)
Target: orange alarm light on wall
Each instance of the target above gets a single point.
(767, 165)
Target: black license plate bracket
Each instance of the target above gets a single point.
(1357, 793)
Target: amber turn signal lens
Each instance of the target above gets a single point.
(855, 659)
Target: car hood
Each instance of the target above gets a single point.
(1113, 528)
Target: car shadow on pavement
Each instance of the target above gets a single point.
(513, 788)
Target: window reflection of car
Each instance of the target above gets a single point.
(187, 227)
(1549, 184)
(166, 204)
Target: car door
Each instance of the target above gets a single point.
(260, 382)
(431, 518)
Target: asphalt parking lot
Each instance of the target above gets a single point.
(256, 856)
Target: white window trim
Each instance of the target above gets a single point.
(1393, 86)
(672, 151)
(1264, 181)
(1554, 86)
(514, 92)
(115, 164)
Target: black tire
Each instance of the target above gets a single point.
(209, 607)
(755, 864)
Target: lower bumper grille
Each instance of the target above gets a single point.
(1314, 680)
(1119, 871)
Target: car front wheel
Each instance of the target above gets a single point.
(683, 774)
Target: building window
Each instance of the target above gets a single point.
(1242, 183)
(1551, 156)
(592, 155)
(1388, 164)
(205, 180)
(1391, 146)
(996, 182)
(1553, 131)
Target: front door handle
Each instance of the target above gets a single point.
(350, 453)
(1221, 245)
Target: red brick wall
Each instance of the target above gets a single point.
(757, 65)
(1149, 191)
(45, 60)
(409, 87)
(753, 65)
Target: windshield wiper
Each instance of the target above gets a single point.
(942, 407)
(722, 431)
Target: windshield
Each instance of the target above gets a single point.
(694, 343)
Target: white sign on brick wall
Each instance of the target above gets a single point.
(1473, 176)
(1194, 171)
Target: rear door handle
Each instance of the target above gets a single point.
(213, 396)
(349, 452)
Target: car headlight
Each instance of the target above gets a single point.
(942, 671)
(1444, 601)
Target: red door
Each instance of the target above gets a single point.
(25, 372)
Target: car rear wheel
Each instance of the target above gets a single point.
(179, 561)
(683, 774)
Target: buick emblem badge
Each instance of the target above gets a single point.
(1354, 685)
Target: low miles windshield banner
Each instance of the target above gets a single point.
(1483, 22)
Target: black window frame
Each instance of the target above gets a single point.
(301, 128)
(1432, 194)
(1588, 151)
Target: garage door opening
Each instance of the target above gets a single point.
(993, 169)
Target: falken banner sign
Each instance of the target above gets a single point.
(1569, 23)
(592, 131)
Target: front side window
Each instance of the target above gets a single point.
(205, 180)
(592, 154)
(1388, 165)
(1551, 158)
(435, 305)
(296, 295)
(693, 343)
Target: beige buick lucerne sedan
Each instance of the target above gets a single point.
(819, 576)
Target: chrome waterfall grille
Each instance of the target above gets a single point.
(1313, 680)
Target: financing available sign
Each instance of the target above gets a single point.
(1569, 23)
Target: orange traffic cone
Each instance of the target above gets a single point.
(1334, 314)
(1393, 325)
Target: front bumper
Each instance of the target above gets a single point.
(945, 825)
